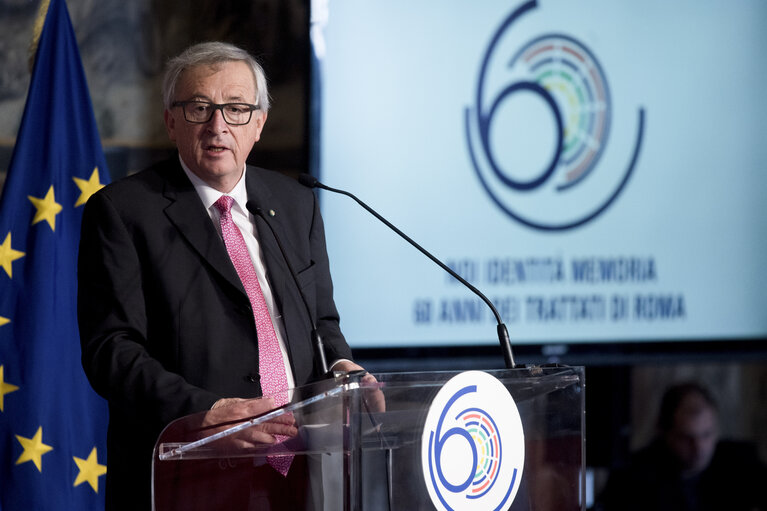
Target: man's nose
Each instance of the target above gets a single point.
(217, 122)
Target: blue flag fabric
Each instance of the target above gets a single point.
(52, 424)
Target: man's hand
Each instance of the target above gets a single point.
(231, 411)
(373, 396)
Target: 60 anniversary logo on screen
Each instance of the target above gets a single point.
(539, 129)
(472, 449)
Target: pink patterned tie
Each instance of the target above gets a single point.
(274, 382)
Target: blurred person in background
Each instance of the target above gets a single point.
(688, 467)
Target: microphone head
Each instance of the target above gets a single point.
(308, 180)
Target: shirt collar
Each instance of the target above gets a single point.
(210, 195)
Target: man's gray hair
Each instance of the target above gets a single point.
(207, 54)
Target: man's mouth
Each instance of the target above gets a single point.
(216, 149)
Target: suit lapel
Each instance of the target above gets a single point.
(285, 291)
(276, 267)
(187, 214)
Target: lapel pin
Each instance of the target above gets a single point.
(272, 212)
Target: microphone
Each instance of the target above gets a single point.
(503, 333)
(320, 362)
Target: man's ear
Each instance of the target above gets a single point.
(259, 117)
(170, 125)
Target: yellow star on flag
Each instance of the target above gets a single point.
(47, 208)
(90, 470)
(88, 187)
(4, 321)
(34, 448)
(5, 388)
(8, 255)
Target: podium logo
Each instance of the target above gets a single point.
(539, 130)
(472, 449)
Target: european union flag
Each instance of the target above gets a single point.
(52, 424)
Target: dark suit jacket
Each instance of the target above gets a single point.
(733, 481)
(166, 327)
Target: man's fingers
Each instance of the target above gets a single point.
(275, 428)
(263, 434)
(232, 410)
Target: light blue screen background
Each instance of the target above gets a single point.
(397, 77)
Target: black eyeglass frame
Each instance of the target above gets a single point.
(213, 108)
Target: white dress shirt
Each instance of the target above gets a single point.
(245, 222)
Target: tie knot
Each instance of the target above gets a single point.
(224, 204)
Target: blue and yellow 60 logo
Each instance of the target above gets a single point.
(473, 445)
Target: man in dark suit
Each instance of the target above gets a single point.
(167, 328)
(688, 467)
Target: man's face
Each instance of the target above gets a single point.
(694, 435)
(215, 151)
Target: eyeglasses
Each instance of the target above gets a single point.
(200, 112)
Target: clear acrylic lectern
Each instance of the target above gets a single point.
(360, 446)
